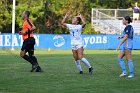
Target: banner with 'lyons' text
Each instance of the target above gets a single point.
(61, 41)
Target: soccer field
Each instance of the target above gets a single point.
(61, 76)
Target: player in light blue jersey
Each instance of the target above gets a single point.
(126, 47)
(76, 41)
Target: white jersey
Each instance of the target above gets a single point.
(75, 31)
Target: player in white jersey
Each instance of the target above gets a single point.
(76, 41)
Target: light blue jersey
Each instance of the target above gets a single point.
(128, 44)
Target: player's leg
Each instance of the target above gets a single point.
(137, 17)
(134, 17)
(23, 53)
(122, 63)
(77, 61)
(33, 57)
(84, 60)
(130, 62)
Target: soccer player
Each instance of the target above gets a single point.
(28, 42)
(127, 45)
(76, 41)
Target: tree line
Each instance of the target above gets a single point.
(47, 14)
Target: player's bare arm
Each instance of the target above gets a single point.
(63, 22)
(82, 19)
(22, 32)
(123, 40)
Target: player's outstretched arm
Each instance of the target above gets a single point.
(82, 19)
(63, 22)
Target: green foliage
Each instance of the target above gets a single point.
(47, 14)
(89, 30)
(5, 16)
(35, 7)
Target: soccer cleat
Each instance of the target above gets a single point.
(38, 69)
(90, 71)
(123, 75)
(130, 76)
(34, 67)
(81, 72)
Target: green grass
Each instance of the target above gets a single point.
(61, 76)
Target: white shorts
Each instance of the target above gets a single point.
(136, 16)
(75, 45)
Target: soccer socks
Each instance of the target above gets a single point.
(131, 67)
(122, 65)
(27, 58)
(34, 59)
(78, 65)
(86, 62)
